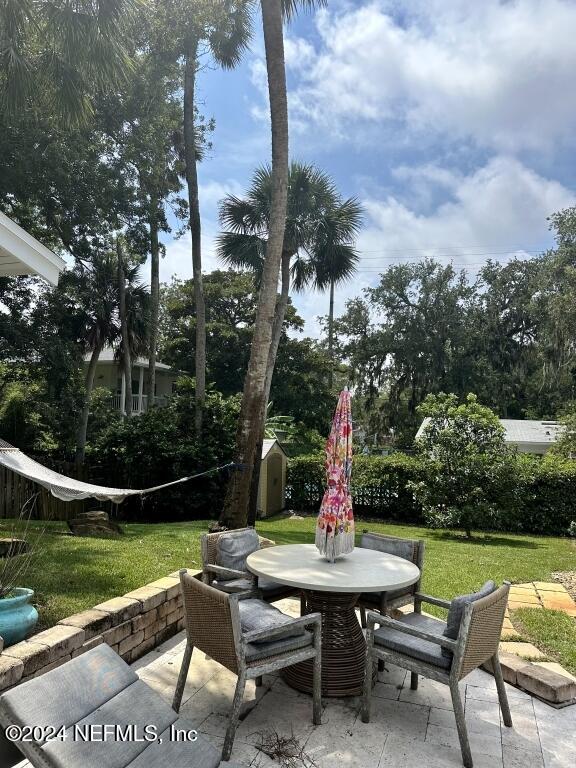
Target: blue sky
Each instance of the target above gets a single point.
(453, 122)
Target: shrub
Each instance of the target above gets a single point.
(464, 460)
(527, 494)
(160, 446)
(378, 485)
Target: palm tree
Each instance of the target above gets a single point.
(318, 237)
(95, 285)
(317, 248)
(334, 258)
(55, 55)
(252, 409)
(221, 30)
(97, 293)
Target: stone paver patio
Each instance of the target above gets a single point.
(408, 729)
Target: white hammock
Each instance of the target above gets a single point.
(68, 489)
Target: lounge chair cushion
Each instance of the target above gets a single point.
(456, 611)
(403, 548)
(234, 547)
(258, 615)
(424, 650)
(99, 688)
(262, 650)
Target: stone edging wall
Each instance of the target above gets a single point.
(131, 625)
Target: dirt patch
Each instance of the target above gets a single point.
(568, 579)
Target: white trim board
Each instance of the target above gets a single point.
(22, 254)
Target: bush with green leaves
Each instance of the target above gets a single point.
(160, 446)
(465, 464)
(379, 485)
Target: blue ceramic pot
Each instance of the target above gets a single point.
(17, 616)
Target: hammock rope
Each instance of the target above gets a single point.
(69, 489)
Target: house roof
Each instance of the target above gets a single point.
(22, 254)
(108, 356)
(530, 431)
(267, 446)
(522, 431)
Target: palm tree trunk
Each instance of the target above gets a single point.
(281, 304)
(195, 230)
(331, 336)
(154, 307)
(88, 387)
(250, 422)
(126, 362)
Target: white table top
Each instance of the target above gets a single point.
(363, 570)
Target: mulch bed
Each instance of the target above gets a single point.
(568, 579)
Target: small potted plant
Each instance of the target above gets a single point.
(18, 616)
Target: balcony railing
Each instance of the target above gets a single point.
(139, 405)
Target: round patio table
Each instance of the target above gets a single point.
(332, 589)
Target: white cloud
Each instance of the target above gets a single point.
(498, 73)
(500, 208)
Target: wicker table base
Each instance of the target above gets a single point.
(343, 647)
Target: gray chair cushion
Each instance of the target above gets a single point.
(259, 651)
(258, 615)
(232, 586)
(456, 610)
(424, 650)
(68, 693)
(234, 547)
(400, 547)
(136, 706)
(199, 754)
(99, 688)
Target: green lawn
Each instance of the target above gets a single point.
(553, 632)
(72, 574)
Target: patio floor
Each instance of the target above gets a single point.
(408, 729)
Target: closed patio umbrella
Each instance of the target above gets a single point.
(335, 524)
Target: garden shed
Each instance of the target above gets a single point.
(272, 491)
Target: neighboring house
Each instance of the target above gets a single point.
(22, 254)
(272, 484)
(109, 374)
(530, 435)
(526, 435)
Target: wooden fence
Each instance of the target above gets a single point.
(16, 491)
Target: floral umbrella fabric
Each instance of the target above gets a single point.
(335, 524)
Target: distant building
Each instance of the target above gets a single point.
(526, 435)
(22, 254)
(109, 374)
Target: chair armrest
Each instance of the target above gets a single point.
(219, 570)
(422, 598)
(373, 618)
(264, 634)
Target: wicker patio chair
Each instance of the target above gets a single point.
(409, 549)
(224, 567)
(248, 637)
(443, 651)
(85, 694)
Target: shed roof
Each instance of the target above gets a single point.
(22, 254)
(267, 446)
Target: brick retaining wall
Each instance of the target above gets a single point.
(131, 625)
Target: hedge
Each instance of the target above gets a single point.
(378, 485)
(538, 495)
